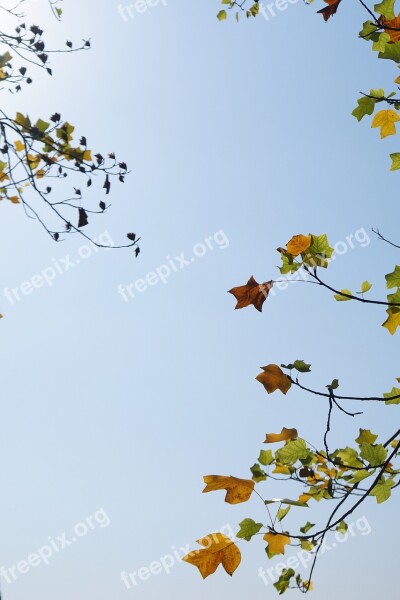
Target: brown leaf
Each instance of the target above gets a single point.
(273, 378)
(329, 10)
(251, 293)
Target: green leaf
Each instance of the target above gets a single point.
(266, 457)
(341, 298)
(382, 490)
(288, 266)
(284, 581)
(307, 527)
(374, 455)
(258, 473)
(334, 385)
(299, 365)
(23, 121)
(248, 528)
(306, 545)
(366, 106)
(319, 252)
(393, 279)
(365, 287)
(349, 457)
(292, 452)
(222, 15)
(369, 31)
(42, 125)
(392, 52)
(342, 527)
(386, 8)
(366, 437)
(395, 156)
(395, 392)
(380, 44)
(360, 475)
(282, 512)
(5, 59)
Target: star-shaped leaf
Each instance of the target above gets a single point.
(252, 293)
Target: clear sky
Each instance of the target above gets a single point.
(115, 409)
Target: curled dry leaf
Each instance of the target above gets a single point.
(237, 490)
(283, 436)
(218, 550)
(252, 293)
(273, 378)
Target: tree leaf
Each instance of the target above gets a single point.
(252, 293)
(248, 528)
(273, 378)
(219, 550)
(238, 490)
(283, 436)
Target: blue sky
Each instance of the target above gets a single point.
(244, 129)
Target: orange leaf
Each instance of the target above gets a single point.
(238, 490)
(283, 436)
(299, 244)
(276, 543)
(305, 498)
(273, 378)
(219, 550)
(251, 293)
(395, 32)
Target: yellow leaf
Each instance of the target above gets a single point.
(304, 497)
(282, 469)
(273, 378)
(308, 585)
(3, 74)
(386, 119)
(276, 543)
(33, 161)
(219, 550)
(40, 174)
(392, 322)
(19, 146)
(237, 490)
(14, 199)
(87, 155)
(283, 436)
(299, 244)
(397, 80)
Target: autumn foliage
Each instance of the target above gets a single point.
(346, 476)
